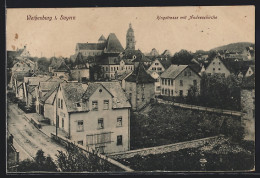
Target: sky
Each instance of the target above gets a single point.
(59, 37)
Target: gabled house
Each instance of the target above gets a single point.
(139, 87)
(178, 79)
(250, 71)
(96, 115)
(217, 66)
(159, 65)
(157, 83)
(62, 71)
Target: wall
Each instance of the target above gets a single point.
(146, 90)
(248, 109)
(168, 148)
(49, 111)
(77, 74)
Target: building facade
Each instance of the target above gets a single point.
(217, 66)
(178, 79)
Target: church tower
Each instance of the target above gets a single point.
(130, 38)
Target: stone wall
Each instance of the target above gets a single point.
(167, 148)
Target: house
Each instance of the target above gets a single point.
(96, 115)
(80, 70)
(121, 78)
(159, 65)
(112, 65)
(177, 80)
(139, 87)
(217, 66)
(62, 71)
(154, 52)
(167, 53)
(55, 63)
(248, 107)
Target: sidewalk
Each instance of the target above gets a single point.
(45, 128)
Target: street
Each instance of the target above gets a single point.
(27, 138)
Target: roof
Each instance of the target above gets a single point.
(47, 97)
(113, 44)
(91, 46)
(140, 75)
(102, 38)
(166, 53)
(173, 71)
(46, 86)
(36, 80)
(130, 29)
(119, 98)
(196, 67)
(72, 94)
(142, 59)
(131, 54)
(92, 87)
(165, 62)
(62, 68)
(79, 62)
(55, 62)
(123, 75)
(108, 58)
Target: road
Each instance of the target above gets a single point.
(27, 138)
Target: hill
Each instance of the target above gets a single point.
(234, 46)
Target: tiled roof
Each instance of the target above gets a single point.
(165, 62)
(46, 86)
(91, 46)
(92, 87)
(119, 97)
(124, 75)
(140, 75)
(130, 53)
(113, 44)
(142, 59)
(173, 71)
(72, 93)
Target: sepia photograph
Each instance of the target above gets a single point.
(130, 89)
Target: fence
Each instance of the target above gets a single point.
(116, 165)
(201, 108)
(168, 148)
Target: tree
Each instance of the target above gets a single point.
(183, 57)
(40, 163)
(75, 160)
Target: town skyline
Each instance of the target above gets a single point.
(149, 31)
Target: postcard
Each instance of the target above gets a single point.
(130, 89)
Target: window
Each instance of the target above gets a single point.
(158, 88)
(78, 105)
(106, 104)
(185, 73)
(189, 73)
(59, 103)
(106, 68)
(62, 123)
(195, 83)
(162, 81)
(153, 68)
(80, 142)
(169, 82)
(119, 122)
(163, 91)
(80, 127)
(219, 63)
(172, 92)
(119, 140)
(172, 82)
(94, 105)
(213, 63)
(181, 82)
(219, 69)
(159, 68)
(181, 93)
(249, 72)
(156, 64)
(111, 68)
(213, 69)
(101, 123)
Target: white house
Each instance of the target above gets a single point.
(96, 115)
(217, 66)
(177, 80)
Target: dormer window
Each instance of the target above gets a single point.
(134, 57)
(78, 105)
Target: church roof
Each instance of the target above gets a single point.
(140, 75)
(113, 44)
(91, 46)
